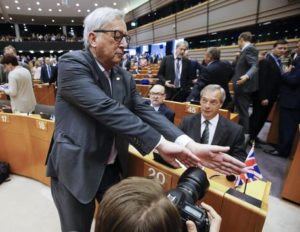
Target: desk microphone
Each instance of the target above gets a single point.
(231, 178)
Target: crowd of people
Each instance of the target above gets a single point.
(96, 96)
(42, 38)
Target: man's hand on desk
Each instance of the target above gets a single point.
(170, 152)
(213, 157)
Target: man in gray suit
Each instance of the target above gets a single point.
(245, 78)
(98, 112)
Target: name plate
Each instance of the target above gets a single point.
(4, 119)
(164, 179)
(193, 109)
(41, 125)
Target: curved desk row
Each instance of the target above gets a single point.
(24, 145)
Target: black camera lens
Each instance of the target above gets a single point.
(194, 183)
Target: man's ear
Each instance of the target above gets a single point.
(92, 39)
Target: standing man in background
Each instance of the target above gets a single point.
(245, 78)
(98, 111)
(174, 74)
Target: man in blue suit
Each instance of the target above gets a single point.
(98, 111)
(157, 96)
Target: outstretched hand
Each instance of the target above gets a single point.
(213, 157)
(172, 152)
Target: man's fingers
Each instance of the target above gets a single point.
(216, 148)
(229, 159)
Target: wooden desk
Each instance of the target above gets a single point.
(45, 94)
(143, 89)
(24, 144)
(2, 96)
(237, 215)
(291, 188)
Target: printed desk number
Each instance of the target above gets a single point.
(192, 109)
(164, 179)
(41, 125)
(5, 118)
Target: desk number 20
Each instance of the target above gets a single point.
(158, 175)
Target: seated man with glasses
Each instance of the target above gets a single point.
(157, 96)
(209, 127)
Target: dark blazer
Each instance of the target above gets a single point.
(290, 89)
(217, 72)
(247, 63)
(127, 64)
(227, 133)
(269, 76)
(88, 117)
(44, 74)
(167, 71)
(164, 110)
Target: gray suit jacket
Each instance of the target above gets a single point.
(247, 64)
(227, 133)
(88, 117)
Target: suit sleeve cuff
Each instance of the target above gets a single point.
(183, 140)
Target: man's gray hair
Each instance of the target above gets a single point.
(214, 52)
(185, 43)
(213, 88)
(97, 19)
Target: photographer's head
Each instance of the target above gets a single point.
(137, 204)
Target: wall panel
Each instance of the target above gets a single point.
(164, 29)
(145, 34)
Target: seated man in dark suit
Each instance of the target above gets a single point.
(211, 128)
(157, 97)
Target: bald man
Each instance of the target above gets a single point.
(157, 96)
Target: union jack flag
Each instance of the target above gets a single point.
(253, 172)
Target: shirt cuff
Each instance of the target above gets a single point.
(159, 142)
(183, 140)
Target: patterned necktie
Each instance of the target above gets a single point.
(177, 73)
(49, 70)
(205, 135)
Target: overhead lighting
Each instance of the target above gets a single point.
(96, 4)
(60, 10)
(88, 10)
(2, 17)
(125, 10)
(115, 3)
(53, 20)
(16, 1)
(78, 10)
(51, 51)
(20, 51)
(29, 9)
(42, 51)
(45, 25)
(7, 7)
(10, 18)
(40, 9)
(77, 4)
(50, 10)
(18, 8)
(60, 51)
(31, 51)
(72, 20)
(58, 4)
(267, 23)
(32, 20)
(38, 3)
(25, 29)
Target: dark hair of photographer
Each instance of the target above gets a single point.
(137, 204)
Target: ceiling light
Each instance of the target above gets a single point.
(16, 1)
(60, 51)
(32, 20)
(42, 51)
(72, 20)
(115, 3)
(58, 4)
(53, 20)
(18, 8)
(77, 4)
(10, 18)
(40, 9)
(31, 51)
(20, 51)
(96, 4)
(7, 7)
(38, 3)
(50, 10)
(88, 10)
(2, 17)
(25, 29)
(60, 10)
(125, 10)
(45, 25)
(78, 10)
(51, 51)
(29, 9)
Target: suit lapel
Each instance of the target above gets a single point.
(221, 127)
(197, 127)
(117, 87)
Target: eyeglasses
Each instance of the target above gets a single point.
(157, 94)
(118, 35)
